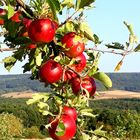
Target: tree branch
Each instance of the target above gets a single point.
(25, 7)
(125, 52)
(68, 18)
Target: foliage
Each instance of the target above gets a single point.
(120, 118)
(59, 43)
(28, 114)
(33, 132)
(10, 126)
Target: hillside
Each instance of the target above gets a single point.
(22, 82)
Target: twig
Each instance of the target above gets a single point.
(125, 52)
(68, 19)
(7, 49)
(25, 7)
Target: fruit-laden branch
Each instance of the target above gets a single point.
(25, 7)
(7, 49)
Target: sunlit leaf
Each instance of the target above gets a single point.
(83, 3)
(86, 30)
(99, 132)
(103, 78)
(38, 59)
(88, 114)
(11, 11)
(9, 62)
(68, 3)
(84, 136)
(45, 112)
(118, 67)
(41, 105)
(129, 27)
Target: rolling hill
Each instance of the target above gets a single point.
(22, 82)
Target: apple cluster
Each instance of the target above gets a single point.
(43, 31)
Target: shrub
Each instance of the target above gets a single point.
(10, 126)
(121, 124)
(33, 132)
(18, 107)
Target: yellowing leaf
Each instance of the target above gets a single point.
(118, 67)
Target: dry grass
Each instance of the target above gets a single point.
(116, 94)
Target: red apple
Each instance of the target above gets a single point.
(74, 46)
(70, 112)
(50, 72)
(31, 46)
(87, 83)
(69, 74)
(80, 63)
(41, 30)
(69, 131)
(3, 12)
(16, 17)
(27, 22)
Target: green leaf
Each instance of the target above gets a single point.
(84, 136)
(37, 97)
(69, 27)
(21, 41)
(137, 49)
(19, 54)
(83, 3)
(55, 6)
(115, 45)
(42, 105)
(88, 114)
(45, 112)
(13, 28)
(86, 30)
(104, 78)
(60, 130)
(99, 132)
(68, 3)
(9, 62)
(11, 11)
(97, 41)
(38, 59)
(129, 27)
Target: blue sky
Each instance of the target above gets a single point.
(106, 20)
